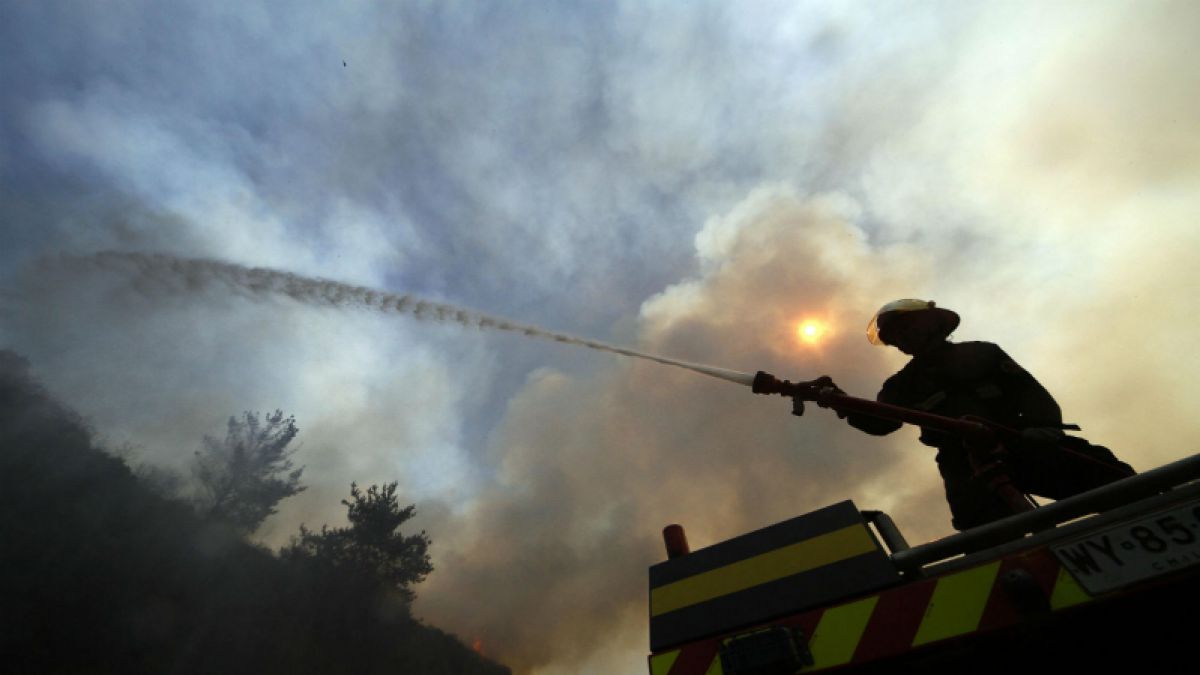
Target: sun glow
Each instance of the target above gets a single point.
(812, 331)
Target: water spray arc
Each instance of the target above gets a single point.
(190, 274)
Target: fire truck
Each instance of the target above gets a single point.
(1103, 580)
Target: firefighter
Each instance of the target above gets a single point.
(979, 379)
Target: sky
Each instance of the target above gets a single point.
(688, 179)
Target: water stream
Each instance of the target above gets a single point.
(189, 274)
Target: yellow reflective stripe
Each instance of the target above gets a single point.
(660, 664)
(714, 668)
(1067, 592)
(839, 631)
(957, 604)
(782, 562)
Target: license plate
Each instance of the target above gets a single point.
(1145, 548)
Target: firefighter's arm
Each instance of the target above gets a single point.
(875, 425)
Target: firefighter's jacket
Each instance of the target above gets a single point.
(979, 379)
(968, 378)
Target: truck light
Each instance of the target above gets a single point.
(676, 540)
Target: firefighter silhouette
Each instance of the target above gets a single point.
(978, 379)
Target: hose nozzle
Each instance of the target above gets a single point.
(766, 383)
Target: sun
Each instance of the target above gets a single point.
(812, 331)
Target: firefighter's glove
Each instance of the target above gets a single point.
(826, 384)
(1043, 436)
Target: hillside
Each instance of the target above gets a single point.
(99, 573)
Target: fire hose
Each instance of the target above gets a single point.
(983, 439)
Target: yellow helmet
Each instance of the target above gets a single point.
(948, 318)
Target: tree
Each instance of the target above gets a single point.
(372, 548)
(244, 477)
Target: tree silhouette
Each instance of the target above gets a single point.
(372, 548)
(243, 477)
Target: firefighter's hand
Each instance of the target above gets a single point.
(825, 382)
(1042, 435)
(826, 385)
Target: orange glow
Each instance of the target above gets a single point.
(477, 645)
(812, 331)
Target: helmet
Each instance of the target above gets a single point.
(949, 320)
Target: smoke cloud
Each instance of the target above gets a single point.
(591, 469)
(1037, 189)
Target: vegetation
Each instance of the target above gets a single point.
(372, 547)
(243, 478)
(100, 572)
